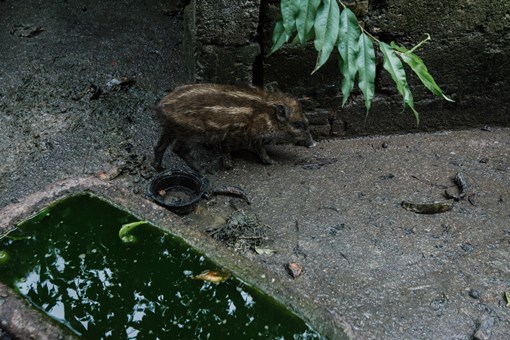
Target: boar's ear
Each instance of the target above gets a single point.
(282, 112)
(272, 87)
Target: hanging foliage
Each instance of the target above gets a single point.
(331, 25)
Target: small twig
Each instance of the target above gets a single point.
(419, 287)
(440, 186)
(250, 238)
(345, 257)
(329, 208)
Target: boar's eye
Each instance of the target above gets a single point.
(299, 125)
(283, 112)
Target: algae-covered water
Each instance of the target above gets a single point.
(69, 262)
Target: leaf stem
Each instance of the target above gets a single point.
(420, 43)
(370, 35)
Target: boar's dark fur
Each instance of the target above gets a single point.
(229, 117)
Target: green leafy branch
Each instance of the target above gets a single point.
(332, 27)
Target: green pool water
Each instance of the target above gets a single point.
(69, 262)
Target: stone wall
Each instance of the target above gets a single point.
(222, 40)
(467, 57)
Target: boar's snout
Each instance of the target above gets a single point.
(307, 141)
(310, 143)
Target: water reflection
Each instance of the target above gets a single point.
(100, 287)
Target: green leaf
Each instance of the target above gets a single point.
(306, 18)
(125, 230)
(295, 41)
(365, 64)
(348, 37)
(4, 257)
(280, 37)
(326, 31)
(418, 66)
(394, 66)
(289, 9)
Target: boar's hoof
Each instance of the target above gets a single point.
(311, 144)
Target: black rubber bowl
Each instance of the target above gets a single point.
(177, 190)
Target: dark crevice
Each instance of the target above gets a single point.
(378, 4)
(258, 65)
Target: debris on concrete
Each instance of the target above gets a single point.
(484, 331)
(119, 82)
(295, 269)
(318, 163)
(243, 231)
(427, 208)
(474, 293)
(26, 31)
(231, 190)
(111, 174)
(461, 183)
(264, 251)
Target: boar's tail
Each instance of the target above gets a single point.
(160, 115)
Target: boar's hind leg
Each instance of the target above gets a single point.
(226, 157)
(184, 151)
(160, 148)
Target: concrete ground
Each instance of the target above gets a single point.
(392, 273)
(374, 268)
(335, 209)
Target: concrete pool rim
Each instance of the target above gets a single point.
(21, 320)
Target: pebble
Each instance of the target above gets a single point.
(474, 293)
(484, 332)
(467, 247)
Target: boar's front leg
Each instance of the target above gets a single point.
(260, 148)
